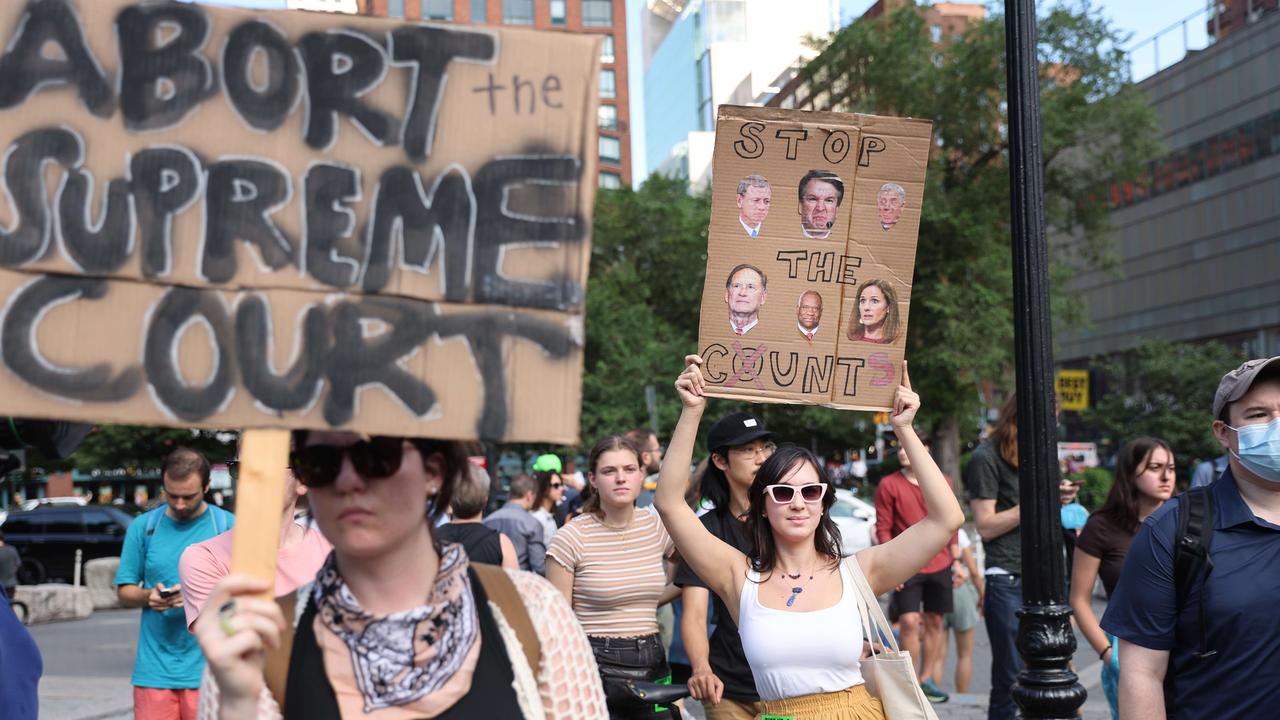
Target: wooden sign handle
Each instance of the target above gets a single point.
(264, 458)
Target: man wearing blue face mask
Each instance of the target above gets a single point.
(1230, 606)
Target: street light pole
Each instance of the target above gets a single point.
(1046, 687)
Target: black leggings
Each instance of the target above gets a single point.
(621, 659)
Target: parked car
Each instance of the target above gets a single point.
(48, 536)
(856, 519)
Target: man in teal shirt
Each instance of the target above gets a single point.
(166, 672)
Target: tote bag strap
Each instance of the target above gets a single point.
(872, 615)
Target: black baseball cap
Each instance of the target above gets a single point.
(735, 429)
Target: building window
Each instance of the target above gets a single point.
(606, 50)
(935, 33)
(608, 85)
(610, 150)
(479, 11)
(597, 13)
(395, 8)
(607, 117)
(437, 9)
(610, 181)
(557, 12)
(517, 12)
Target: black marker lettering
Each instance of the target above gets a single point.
(822, 266)
(239, 199)
(849, 265)
(869, 146)
(327, 190)
(341, 67)
(425, 227)
(159, 85)
(551, 84)
(781, 377)
(295, 388)
(793, 136)
(817, 378)
(164, 182)
(266, 108)
(710, 356)
(496, 227)
(792, 258)
(100, 247)
(355, 360)
(169, 318)
(836, 147)
(28, 240)
(749, 146)
(431, 49)
(22, 357)
(24, 67)
(850, 365)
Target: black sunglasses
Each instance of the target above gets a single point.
(318, 465)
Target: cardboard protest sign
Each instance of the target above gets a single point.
(227, 218)
(810, 256)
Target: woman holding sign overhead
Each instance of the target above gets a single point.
(395, 625)
(795, 599)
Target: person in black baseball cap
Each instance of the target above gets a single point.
(721, 678)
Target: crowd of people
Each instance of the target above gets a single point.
(397, 596)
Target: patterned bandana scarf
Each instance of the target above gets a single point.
(400, 658)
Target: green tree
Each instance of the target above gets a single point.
(1097, 128)
(1163, 390)
(111, 447)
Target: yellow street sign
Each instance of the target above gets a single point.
(1072, 387)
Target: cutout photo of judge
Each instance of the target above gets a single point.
(745, 292)
(889, 203)
(877, 319)
(809, 314)
(821, 193)
(754, 197)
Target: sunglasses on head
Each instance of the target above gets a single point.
(783, 494)
(373, 459)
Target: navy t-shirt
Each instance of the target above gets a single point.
(728, 659)
(1243, 679)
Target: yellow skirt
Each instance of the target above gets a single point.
(853, 703)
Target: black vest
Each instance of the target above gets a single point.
(481, 543)
(309, 694)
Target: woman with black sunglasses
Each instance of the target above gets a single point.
(792, 596)
(396, 625)
(550, 492)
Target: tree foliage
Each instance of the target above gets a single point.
(125, 447)
(1163, 390)
(1097, 128)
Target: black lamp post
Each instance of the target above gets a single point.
(1046, 687)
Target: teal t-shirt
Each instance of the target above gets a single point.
(168, 655)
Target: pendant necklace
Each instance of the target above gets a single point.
(795, 589)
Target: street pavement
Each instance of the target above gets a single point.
(87, 664)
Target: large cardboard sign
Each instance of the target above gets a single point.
(228, 218)
(810, 255)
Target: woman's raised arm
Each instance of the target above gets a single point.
(717, 563)
(893, 563)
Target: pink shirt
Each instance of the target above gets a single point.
(204, 564)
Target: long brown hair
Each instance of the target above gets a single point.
(764, 554)
(1005, 436)
(591, 499)
(1124, 500)
(892, 318)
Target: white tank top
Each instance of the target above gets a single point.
(799, 653)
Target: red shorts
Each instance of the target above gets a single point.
(164, 704)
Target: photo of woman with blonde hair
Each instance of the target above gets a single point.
(877, 319)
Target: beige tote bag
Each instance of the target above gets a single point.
(889, 674)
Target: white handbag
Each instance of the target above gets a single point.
(888, 672)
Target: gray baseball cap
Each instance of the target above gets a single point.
(1237, 382)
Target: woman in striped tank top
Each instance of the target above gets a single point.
(792, 597)
(610, 562)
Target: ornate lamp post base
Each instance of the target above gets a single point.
(1046, 687)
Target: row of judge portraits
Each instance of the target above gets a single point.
(877, 316)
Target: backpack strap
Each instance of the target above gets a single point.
(502, 592)
(1191, 558)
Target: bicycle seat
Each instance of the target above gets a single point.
(655, 693)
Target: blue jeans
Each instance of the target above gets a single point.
(1000, 609)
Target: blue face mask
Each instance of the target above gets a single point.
(1260, 449)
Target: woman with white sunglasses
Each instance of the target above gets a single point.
(792, 596)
